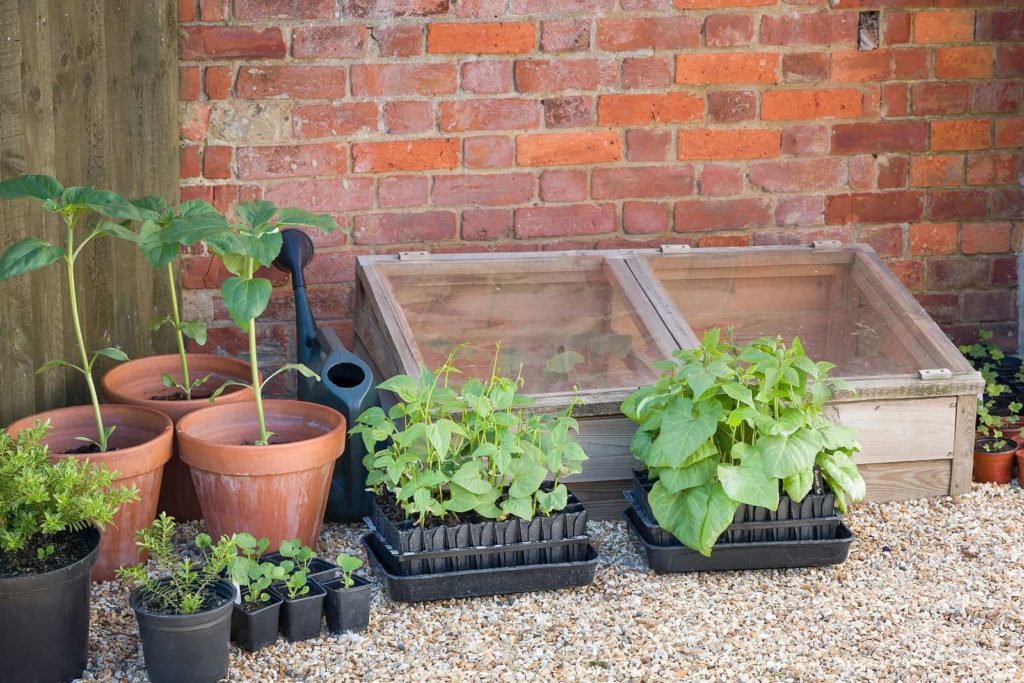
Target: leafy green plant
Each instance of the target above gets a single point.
(725, 426)
(348, 564)
(988, 424)
(249, 572)
(297, 553)
(469, 449)
(297, 584)
(255, 240)
(76, 207)
(177, 585)
(40, 498)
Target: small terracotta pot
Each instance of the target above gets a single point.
(143, 441)
(994, 467)
(136, 382)
(277, 491)
(1020, 466)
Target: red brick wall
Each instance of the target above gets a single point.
(550, 124)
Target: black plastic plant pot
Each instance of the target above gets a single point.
(319, 568)
(44, 621)
(300, 618)
(254, 628)
(186, 647)
(347, 609)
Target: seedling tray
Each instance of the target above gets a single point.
(480, 582)
(743, 556)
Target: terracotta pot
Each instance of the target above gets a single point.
(142, 440)
(1020, 466)
(994, 467)
(138, 381)
(277, 491)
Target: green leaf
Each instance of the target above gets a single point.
(784, 456)
(749, 485)
(167, 380)
(697, 516)
(630, 406)
(520, 507)
(640, 445)
(739, 392)
(194, 329)
(685, 426)
(555, 499)
(526, 478)
(154, 245)
(27, 255)
(41, 187)
(150, 202)
(469, 477)
(288, 217)
(679, 479)
(197, 226)
(245, 299)
(405, 386)
(264, 248)
(840, 471)
(563, 363)
(113, 353)
(799, 485)
(55, 363)
(834, 437)
(105, 203)
(256, 213)
(110, 229)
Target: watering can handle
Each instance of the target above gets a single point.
(296, 253)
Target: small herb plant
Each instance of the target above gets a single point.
(40, 498)
(177, 585)
(348, 564)
(76, 207)
(472, 449)
(725, 426)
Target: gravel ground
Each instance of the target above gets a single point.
(933, 591)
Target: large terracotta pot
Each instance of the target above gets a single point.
(140, 445)
(994, 466)
(277, 491)
(137, 382)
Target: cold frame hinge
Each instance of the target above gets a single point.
(826, 244)
(675, 249)
(935, 373)
(414, 256)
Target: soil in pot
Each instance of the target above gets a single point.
(44, 614)
(138, 382)
(300, 617)
(139, 447)
(993, 460)
(347, 609)
(186, 647)
(256, 488)
(255, 626)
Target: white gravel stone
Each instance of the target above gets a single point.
(933, 591)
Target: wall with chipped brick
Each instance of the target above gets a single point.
(551, 124)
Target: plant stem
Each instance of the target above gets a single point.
(257, 389)
(69, 259)
(186, 381)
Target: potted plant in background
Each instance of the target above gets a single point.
(993, 452)
(256, 616)
(250, 460)
(734, 440)
(183, 609)
(347, 606)
(131, 440)
(51, 513)
(175, 384)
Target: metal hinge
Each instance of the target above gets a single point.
(413, 255)
(675, 249)
(935, 373)
(826, 244)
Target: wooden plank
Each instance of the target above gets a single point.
(906, 480)
(390, 317)
(603, 499)
(653, 322)
(901, 430)
(606, 442)
(371, 331)
(963, 450)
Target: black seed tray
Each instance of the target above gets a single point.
(319, 567)
(743, 556)
(746, 526)
(480, 582)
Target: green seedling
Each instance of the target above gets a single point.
(348, 564)
(297, 553)
(297, 584)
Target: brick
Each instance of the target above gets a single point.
(563, 186)
(793, 105)
(284, 9)
(720, 4)
(326, 120)
(997, 168)
(230, 42)
(403, 40)
(284, 161)
(720, 214)
(396, 228)
(880, 137)
(202, 192)
(892, 173)
(1005, 25)
(647, 144)
(802, 175)
(297, 82)
(863, 172)
(803, 67)
(324, 195)
(897, 28)
(487, 77)
(802, 210)
(333, 42)
(943, 27)
(409, 155)
(550, 6)
(895, 99)
(718, 180)
(860, 66)
(564, 35)
(886, 241)
(189, 162)
(556, 149)
(729, 144)
(388, 9)
(985, 238)
(648, 33)
(952, 205)
(870, 207)
(217, 162)
(188, 83)
(987, 306)
(375, 80)
(724, 241)
(960, 134)
(187, 11)
(1008, 202)
(640, 182)
(501, 114)
(481, 9)
(486, 224)
(482, 38)
(217, 82)
(936, 170)
(568, 112)
(910, 64)
(1010, 62)
(213, 10)
(798, 237)
(959, 273)
(932, 239)
(996, 97)
(488, 151)
(544, 75)
(728, 30)
(732, 106)
(939, 99)
(1010, 132)
(963, 62)
(487, 190)
(805, 139)
(644, 218)
(628, 110)
(413, 116)
(910, 272)
(1004, 272)
(720, 68)
(809, 28)
(646, 72)
(558, 221)
(394, 192)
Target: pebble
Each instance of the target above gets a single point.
(933, 590)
